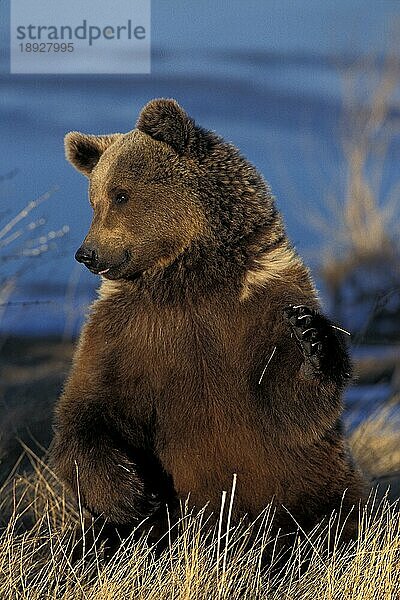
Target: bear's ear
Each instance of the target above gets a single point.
(84, 151)
(165, 121)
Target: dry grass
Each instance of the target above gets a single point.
(376, 442)
(37, 543)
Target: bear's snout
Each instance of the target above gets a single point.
(90, 258)
(87, 256)
(100, 263)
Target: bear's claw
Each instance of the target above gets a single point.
(303, 324)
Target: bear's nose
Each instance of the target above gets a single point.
(87, 256)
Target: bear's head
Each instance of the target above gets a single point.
(164, 189)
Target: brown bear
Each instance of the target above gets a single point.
(206, 354)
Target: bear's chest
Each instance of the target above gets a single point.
(185, 365)
(177, 351)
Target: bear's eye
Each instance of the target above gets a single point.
(121, 198)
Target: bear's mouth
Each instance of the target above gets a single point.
(113, 271)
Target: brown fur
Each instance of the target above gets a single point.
(164, 398)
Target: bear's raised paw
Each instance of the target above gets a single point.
(308, 329)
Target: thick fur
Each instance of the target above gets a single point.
(168, 394)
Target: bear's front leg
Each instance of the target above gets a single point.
(91, 459)
(301, 383)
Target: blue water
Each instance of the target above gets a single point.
(264, 74)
